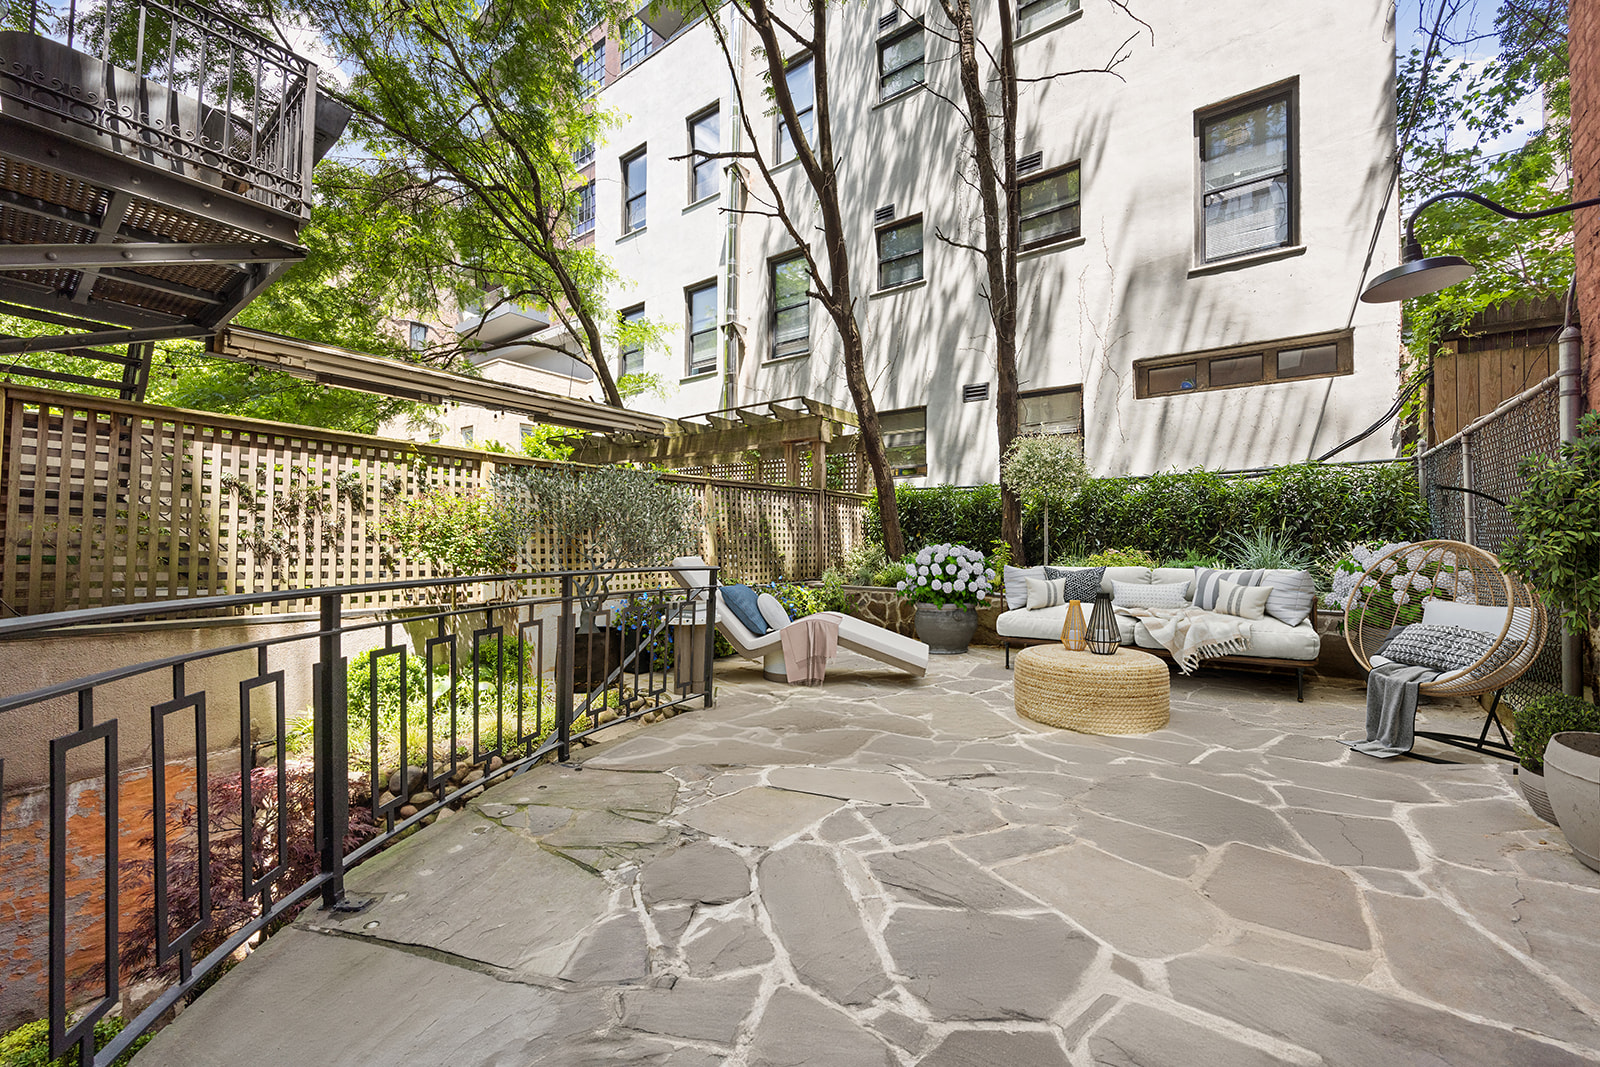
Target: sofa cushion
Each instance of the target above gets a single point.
(1292, 595)
(1046, 623)
(1484, 617)
(1015, 580)
(1079, 583)
(1135, 595)
(1164, 575)
(1269, 639)
(744, 603)
(1206, 579)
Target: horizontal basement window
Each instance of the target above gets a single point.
(1313, 356)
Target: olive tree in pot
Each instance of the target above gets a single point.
(1044, 470)
(1541, 719)
(947, 583)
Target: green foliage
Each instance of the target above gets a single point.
(862, 563)
(1556, 547)
(797, 600)
(601, 518)
(891, 575)
(831, 595)
(29, 1044)
(458, 533)
(1264, 550)
(1316, 507)
(999, 555)
(1121, 557)
(1044, 469)
(1196, 559)
(1545, 716)
(942, 575)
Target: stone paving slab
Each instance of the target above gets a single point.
(885, 872)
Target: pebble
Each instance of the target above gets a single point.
(407, 810)
(423, 799)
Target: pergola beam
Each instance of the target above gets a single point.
(142, 254)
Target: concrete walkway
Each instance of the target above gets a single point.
(885, 872)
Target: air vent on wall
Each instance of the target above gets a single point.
(971, 394)
(884, 214)
(888, 22)
(1029, 164)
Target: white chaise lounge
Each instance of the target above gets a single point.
(885, 646)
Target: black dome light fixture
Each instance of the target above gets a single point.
(1418, 275)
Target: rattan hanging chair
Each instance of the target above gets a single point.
(1469, 589)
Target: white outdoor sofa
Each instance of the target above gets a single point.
(885, 646)
(1272, 643)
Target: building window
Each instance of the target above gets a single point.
(905, 440)
(584, 155)
(1247, 183)
(1050, 207)
(525, 433)
(466, 435)
(705, 138)
(900, 62)
(1037, 14)
(702, 306)
(583, 210)
(803, 91)
(419, 336)
(1056, 411)
(791, 307)
(900, 253)
(635, 42)
(633, 190)
(1320, 356)
(591, 68)
(630, 353)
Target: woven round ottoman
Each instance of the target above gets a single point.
(1128, 693)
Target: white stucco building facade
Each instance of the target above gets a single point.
(1204, 223)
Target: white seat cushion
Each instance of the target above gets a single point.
(1379, 661)
(1046, 623)
(1269, 639)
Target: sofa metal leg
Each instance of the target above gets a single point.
(1007, 644)
(1300, 684)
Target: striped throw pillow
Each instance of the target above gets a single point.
(1139, 595)
(1206, 579)
(1245, 601)
(1046, 593)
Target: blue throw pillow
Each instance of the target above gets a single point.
(741, 600)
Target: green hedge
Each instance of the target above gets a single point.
(1320, 507)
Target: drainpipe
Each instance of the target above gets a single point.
(733, 187)
(1569, 407)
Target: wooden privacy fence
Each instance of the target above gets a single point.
(108, 502)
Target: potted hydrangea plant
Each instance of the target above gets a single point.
(947, 583)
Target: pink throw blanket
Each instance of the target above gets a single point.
(809, 645)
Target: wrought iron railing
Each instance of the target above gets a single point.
(200, 840)
(176, 84)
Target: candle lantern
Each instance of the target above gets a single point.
(1074, 629)
(1102, 636)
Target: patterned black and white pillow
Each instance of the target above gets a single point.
(1206, 579)
(1082, 583)
(1439, 648)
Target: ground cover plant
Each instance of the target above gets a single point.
(29, 1044)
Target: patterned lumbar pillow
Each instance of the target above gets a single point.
(1206, 579)
(1139, 595)
(1083, 583)
(1245, 601)
(1292, 595)
(742, 601)
(1439, 648)
(1046, 593)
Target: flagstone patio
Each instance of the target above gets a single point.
(891, 872)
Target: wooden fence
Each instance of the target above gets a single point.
(107, 502)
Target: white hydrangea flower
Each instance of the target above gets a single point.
(901, 586)
(923, 570)
(1402, 597)
(961, 585)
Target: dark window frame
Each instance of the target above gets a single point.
(889, 416)
(804, 302)
(1075, 7)
(634, 52)
(877, 241)
(629, 196)
(799, 112)
(584, 155)
(696, 164)
(1269, 351)
(691, 369)
(1034, 179)
(417, 344)
(625, 351)
(591, 68)
(893, 37)
(1061, 390)
(1289, 93)
(583, 220)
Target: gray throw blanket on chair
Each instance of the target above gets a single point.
(1392, 709)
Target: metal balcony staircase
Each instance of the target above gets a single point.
(155, 171)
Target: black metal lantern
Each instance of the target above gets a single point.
(1103, 637)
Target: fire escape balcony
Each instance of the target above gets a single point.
(155, 168)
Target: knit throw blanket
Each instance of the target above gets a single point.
(809, 645)
(1193, 634)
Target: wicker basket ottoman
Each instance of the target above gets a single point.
(1128, 693)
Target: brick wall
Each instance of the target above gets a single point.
(1584, 41)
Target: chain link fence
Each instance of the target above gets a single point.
(1469, 478)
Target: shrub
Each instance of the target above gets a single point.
(1044, 469)
(831, 595)
(1197, 559)
(942, 514)
(458, 534)
(1121, 557)
(29, 1044)
(891, 575)
(1265, 550)
(1545, 716)
(947, 574)
(1556, 548)
(862, 563)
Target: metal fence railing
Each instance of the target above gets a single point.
(139, 841)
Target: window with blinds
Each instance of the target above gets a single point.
(1247, 179)
(905, 441)
(791, 308)
(634, 179)
(702, 311)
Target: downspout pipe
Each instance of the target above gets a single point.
(732, 202)
(1569, 407)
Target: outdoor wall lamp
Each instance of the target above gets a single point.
(1419, 275)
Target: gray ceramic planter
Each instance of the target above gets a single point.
(1572, 776)
(1531, 785)
(948, 630)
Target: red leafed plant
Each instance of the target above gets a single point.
(230, 908)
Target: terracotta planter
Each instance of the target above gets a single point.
(1532, 787)
(1572, 774)
(948, 630)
